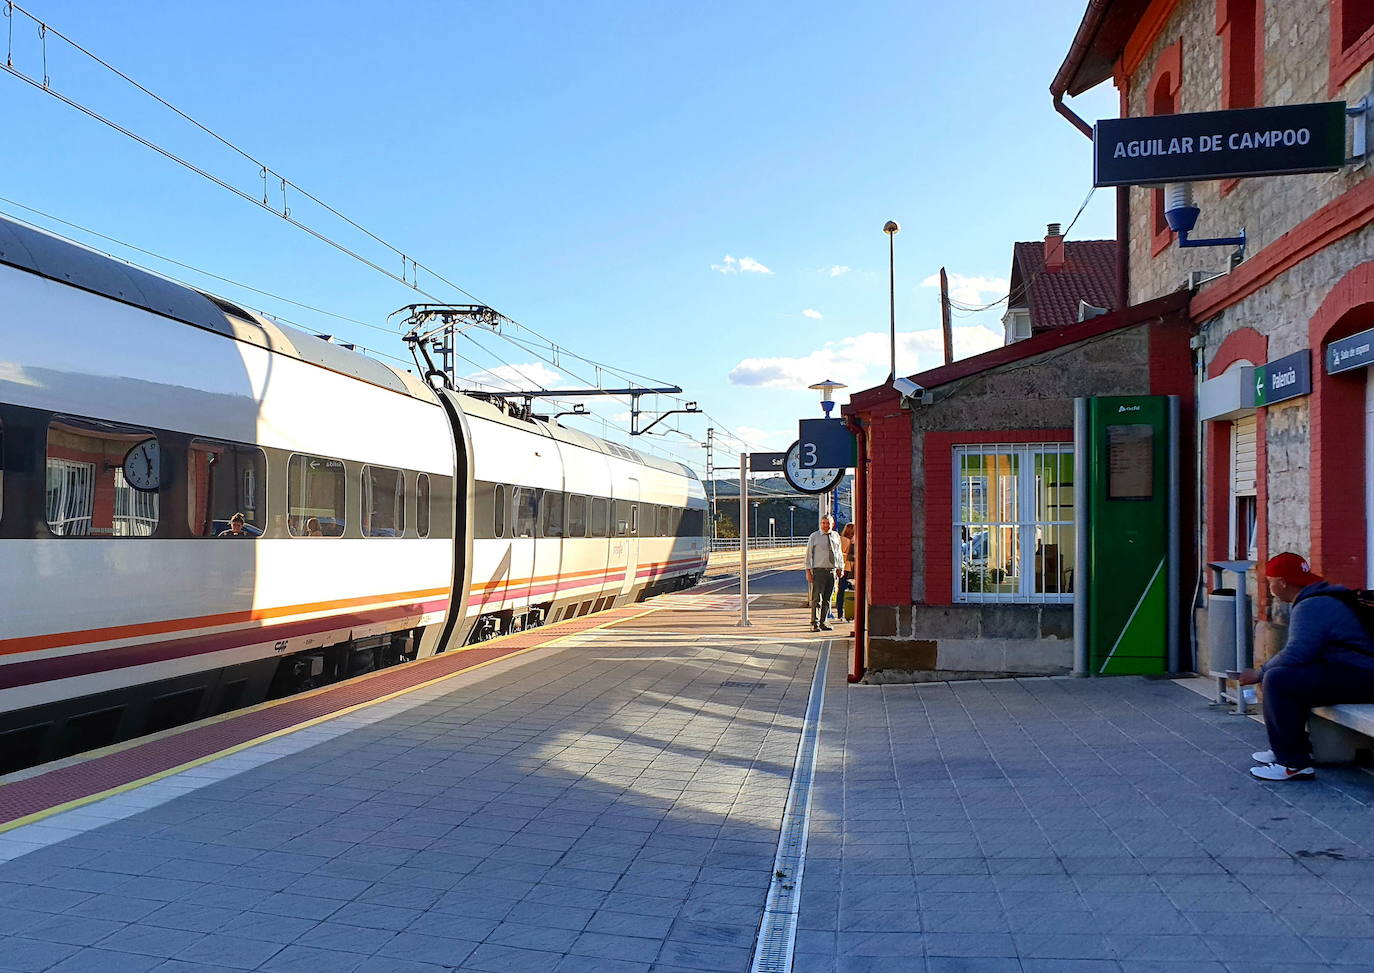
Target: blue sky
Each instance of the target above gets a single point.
(694, 191)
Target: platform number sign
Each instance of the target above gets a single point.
(806, 479)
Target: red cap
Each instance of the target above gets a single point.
(1292, 568)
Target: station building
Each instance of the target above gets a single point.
(1288, 468)
(1292, 469)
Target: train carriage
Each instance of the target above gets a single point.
(381, 520)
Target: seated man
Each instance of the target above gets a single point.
(1329, 658)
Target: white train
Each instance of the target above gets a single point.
(382, 520)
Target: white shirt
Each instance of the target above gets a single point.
(823, 550)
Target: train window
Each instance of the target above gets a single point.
(577, 516)
(667, 517)
(624, 514)
(384, 502)
(422, 505)
(102, 479)
(2, 468)
(551, 514)
(224, 479)
(315, 489)
(601, 516)
(526, 511)
(498, 511)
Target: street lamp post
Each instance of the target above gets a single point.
(791, 520)
(756, 518)
(891, 229)
(828, 388)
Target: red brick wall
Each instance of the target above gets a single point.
(889, 509)
(1337, 430)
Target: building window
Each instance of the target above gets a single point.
(1018, 325)
(1244, 467)
(1014, 523)
(103, 479)
(315, 496)
(1352, 39)
(1240, 26)
(1163, 100)
(224, 479)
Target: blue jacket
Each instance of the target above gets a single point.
(1324, 631)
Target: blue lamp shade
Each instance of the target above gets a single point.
(1180, 212)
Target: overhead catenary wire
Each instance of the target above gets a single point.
(410, 267)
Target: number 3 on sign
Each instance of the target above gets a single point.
(808, 454)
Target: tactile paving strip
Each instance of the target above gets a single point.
(74, 782)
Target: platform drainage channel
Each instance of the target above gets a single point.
(778, 931)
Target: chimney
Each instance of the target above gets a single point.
(1054, 249)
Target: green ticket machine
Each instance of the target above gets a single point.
(1126, 613)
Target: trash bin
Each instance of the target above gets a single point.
(849, 605)
(1221, 630)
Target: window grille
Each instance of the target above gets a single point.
(135, 511)
(1014, 523)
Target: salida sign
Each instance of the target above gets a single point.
(1219, 144)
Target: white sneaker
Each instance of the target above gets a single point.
(1263, 757)
(1275, 772)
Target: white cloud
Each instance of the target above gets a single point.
(862, 360)
(973, 291)
(740, 265)
(812, 313)
(838, 270)
(517, 377)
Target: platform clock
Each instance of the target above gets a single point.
(809, 481)
(143, 466)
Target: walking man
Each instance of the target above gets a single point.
(1329, 658)
(823, 563)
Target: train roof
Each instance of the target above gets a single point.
(68, 262)
(475, 405)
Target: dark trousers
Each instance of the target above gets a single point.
(822, 589)
(1291, 691)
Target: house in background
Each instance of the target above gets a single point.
(1058, 282)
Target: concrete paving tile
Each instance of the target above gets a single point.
(234, 952)
(451, 926)
(699, 956)
(264, 927)
(308, 959)
(597, 964)
(491, 958)
(32, 955)
(106, 961)
(350, 938)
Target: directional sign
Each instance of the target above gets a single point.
(1219, 144)
(1284, 378)
(1357, 351)
(826, 444)
(766, 462)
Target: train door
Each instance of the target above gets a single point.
(525, 502)
(630, 524)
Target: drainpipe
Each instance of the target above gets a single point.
(1123, 203)
(860, 519)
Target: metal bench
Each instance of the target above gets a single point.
(1339, 732)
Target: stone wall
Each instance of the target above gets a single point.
(1296, 71)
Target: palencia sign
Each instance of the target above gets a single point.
(1284, 378)
(1219, 144)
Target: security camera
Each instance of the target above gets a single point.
(906, 388)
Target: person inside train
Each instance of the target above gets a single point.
(312, 527)
(235, 527)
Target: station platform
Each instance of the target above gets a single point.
(657, 789)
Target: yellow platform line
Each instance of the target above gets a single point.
(285, 731)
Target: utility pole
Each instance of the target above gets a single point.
(945, 322)
(711, 474)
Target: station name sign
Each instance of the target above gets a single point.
(1219, 144)
(1284, 378)
(1346, 354)
(767, 462)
